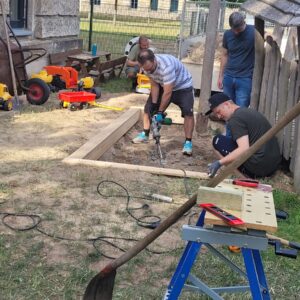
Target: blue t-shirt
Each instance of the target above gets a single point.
(241, 51)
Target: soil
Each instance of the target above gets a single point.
(171, 143)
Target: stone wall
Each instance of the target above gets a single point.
(56, 18)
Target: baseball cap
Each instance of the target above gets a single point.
(215, 100)
(236, 20)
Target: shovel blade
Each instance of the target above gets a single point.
(100, 287)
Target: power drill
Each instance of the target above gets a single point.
(155, 126)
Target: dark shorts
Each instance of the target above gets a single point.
(183, 98)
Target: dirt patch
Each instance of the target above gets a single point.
(171, 141)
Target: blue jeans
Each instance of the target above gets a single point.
(238, 89)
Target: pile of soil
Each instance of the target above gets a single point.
(196, 51)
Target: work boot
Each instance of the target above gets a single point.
(141, 138)
(187, 148)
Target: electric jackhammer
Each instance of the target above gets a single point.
(155, 127)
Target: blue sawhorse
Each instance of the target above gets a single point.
(251, 242)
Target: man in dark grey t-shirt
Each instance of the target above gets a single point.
(247, 126)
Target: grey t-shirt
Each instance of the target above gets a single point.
(247, 121)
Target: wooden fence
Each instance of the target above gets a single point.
(275, 89)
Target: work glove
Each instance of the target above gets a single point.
(213, 168)
(153, 108)
(159, 117)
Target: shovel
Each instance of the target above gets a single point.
(101, 286)
(16, 100)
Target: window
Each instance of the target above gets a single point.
(134, 3)
(174, 5)
(154, 4)
(97, 2)
(18, 13)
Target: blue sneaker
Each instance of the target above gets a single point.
(141, 138)
(187, 148)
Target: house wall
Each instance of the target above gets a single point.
(54, 25)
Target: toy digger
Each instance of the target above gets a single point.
(61, 78)
(6, 102)
(143, 84)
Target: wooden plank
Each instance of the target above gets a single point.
(274, 101)
(152, 170)
(265, 78)
(100, 143)
(290, 103)
(271, 81)
(296, 152)
(283, 84)
(226, 198)
(258, 70)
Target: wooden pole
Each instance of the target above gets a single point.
(208, 64)
(259, 62)
(297, 137)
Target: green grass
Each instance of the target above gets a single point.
(114, 38)
(28, 269)
(116, 85)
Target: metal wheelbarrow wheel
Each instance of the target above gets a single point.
(37, 91)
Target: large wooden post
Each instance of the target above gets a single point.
(208, 64)
(296, 152)
(259, 62)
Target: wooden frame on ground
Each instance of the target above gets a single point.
(91, 151)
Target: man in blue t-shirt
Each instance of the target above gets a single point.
(237, 60)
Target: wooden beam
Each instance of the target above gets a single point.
(208, 63)
(297, 136)
(260, 26)
(258, 70)
(153, 170)
(101, 142)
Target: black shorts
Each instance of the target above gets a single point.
(183, 98)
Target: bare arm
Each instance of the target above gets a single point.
(223, 62)
(243, 145)
(166, 96)
(132, 63)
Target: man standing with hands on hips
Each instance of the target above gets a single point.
(170, 83)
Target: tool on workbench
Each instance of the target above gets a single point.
(222, 214)
(252, 183)
(101, 285)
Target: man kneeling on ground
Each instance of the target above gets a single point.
(247, 126)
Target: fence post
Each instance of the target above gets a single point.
(91, 23)
(181, 29)
(208, 64)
